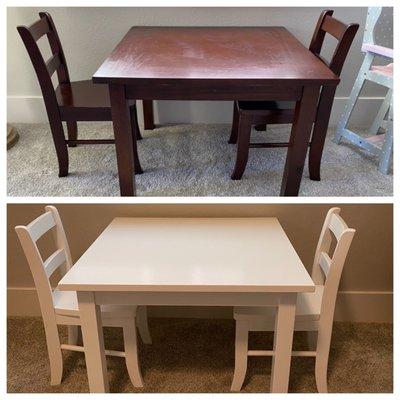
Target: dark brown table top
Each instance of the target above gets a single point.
(212, 53)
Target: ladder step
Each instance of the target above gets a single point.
(361, 142)
(376, 139)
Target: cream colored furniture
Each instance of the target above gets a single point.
(193, 262)
(61, 308)
(314, 311)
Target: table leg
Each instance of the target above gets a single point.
(299, 141)
(93, 342)
(125, 142)
(319, 132)
(283, 339)
(148, 114)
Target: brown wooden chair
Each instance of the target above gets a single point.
(70, 101)
(260, 113)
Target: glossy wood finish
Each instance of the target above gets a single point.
(270, 112)
(211, 63)
(70, 101)
(171, 54)
(83, 101)
(125, 144)
(220, 262)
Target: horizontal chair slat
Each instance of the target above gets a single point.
(81, 349)
(269, 353)
(41, 225)
(39, 28)
(91, 141)
(325, 262)
(54, 261)
(53, 63)
(269, 145)
(337, 225)
(333, 27)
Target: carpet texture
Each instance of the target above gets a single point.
(197, 355)
(184, 160)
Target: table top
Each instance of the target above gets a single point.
(251, 54)
(190, 255)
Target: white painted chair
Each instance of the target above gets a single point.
(314, 311)
(377, 143)
(61, 307)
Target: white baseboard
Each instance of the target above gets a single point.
(30, 109)
(355, 306)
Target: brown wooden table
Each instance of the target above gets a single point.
(215, 63)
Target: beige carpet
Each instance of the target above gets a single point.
(197, 355)
(184, 160)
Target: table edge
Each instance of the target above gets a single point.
(127, 81)
(187, 289)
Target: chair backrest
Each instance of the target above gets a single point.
(60, 259)
(344, 34)
(56, 63)
(327, 269)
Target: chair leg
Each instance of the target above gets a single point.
(142, 324)
(72, 129)
(319, 132)
(136, 128)
(131, 354)
(55, 354)
(148, 114)
(135, 134)
(322, 358)
(73, 334)
(241, 348)
(57, 132)
(242, 154)
(321, 371)
(235, 124)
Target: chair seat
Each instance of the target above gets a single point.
(308, 307)
(66, 303)
(84, 101)
(266, 105)
(83, 94)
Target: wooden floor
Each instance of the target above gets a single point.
(197, 355)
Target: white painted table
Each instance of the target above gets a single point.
(189, 261)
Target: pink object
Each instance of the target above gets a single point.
(379, 50)
(377, 139)
(383, 69)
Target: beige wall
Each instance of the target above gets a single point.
(90, 33)
(367, 281)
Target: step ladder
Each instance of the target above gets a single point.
(378, 143)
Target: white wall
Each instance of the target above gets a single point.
(89, 34)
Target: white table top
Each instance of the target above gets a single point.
(190, 255)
